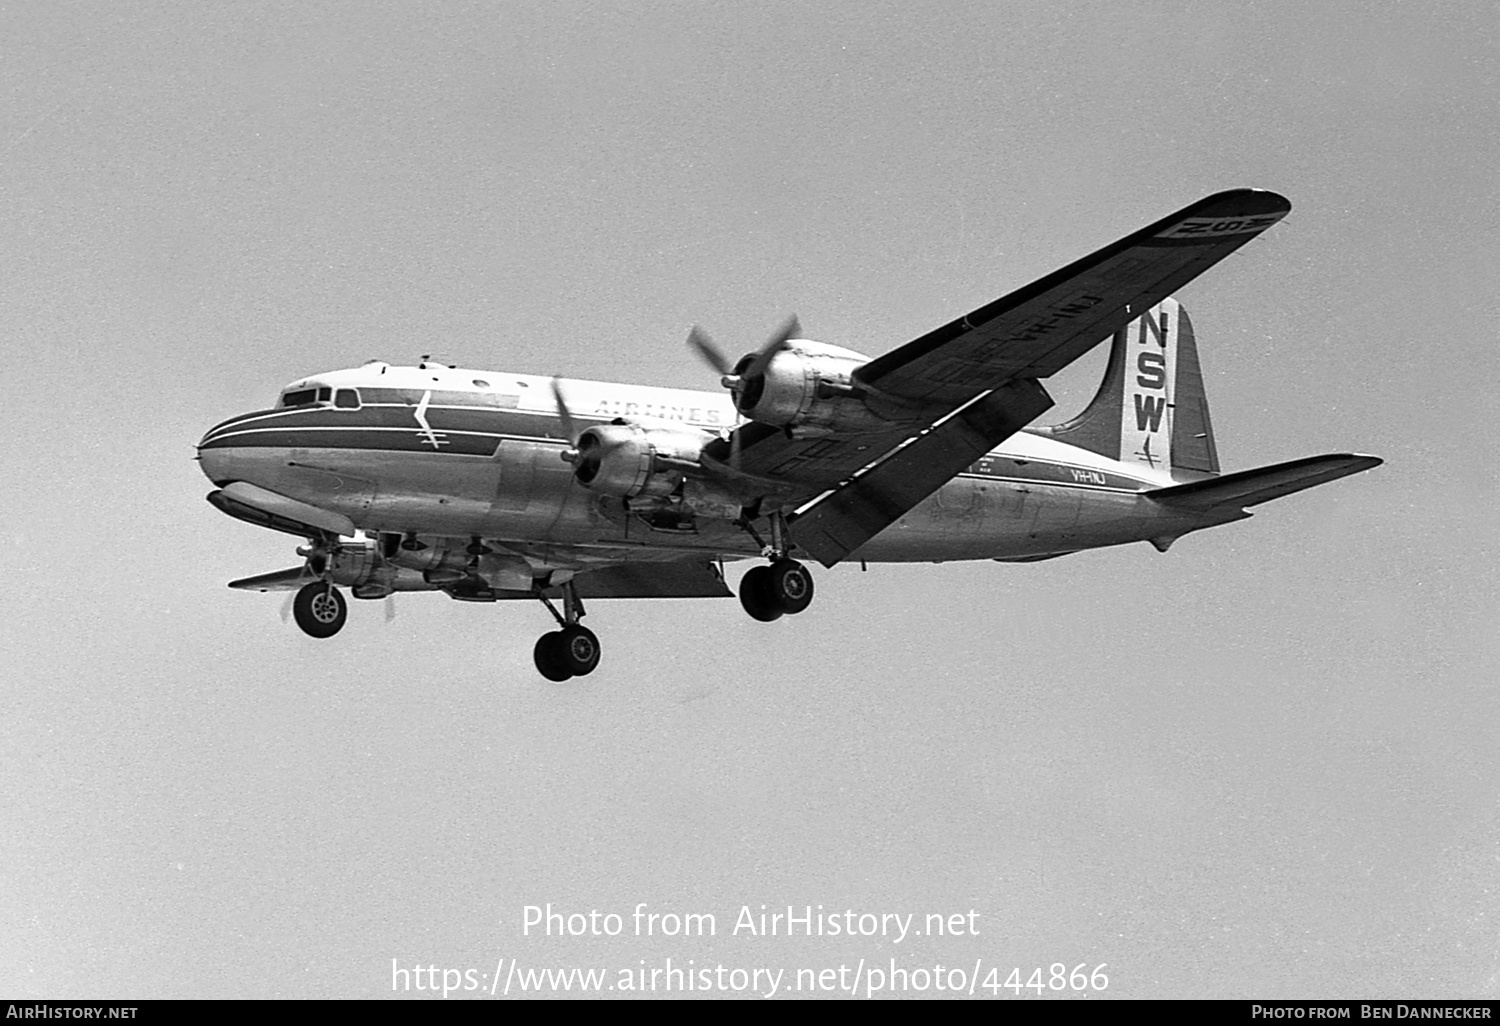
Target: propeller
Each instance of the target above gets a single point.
(569, 425)
(585, 454)
(709, 350)
(700, 341)
(790, 328)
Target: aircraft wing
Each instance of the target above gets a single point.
(840, 522)
(1036, 331)
(996, 352)
(803, 467)
(678, 579)
(281, 580)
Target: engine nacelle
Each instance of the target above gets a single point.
(357, 565)
(807, 388)
(627, 458)
(346, 562)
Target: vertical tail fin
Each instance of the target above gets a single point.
(1151, 408)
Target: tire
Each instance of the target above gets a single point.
(791, 585)
(320, 610)
(756, 596)
(578, 650)
(548, 655)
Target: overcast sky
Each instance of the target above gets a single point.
(1263, 764)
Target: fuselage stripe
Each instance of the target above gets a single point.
(477, 443)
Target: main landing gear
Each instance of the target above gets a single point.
(769, 592)
(320, 610)
(784, 587)
(572, 651)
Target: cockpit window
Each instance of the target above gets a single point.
(301, 397)
(308, 397)
(346, 399)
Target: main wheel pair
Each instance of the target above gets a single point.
(769, 592)
(320, 610)
(570, 652)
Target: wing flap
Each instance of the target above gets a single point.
(652, 580)
(805, 466)
(840, 522)
(679, 579)
(1252, 487)
(1041, 328)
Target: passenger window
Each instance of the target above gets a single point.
(346, 399)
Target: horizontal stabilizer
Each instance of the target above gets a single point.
(281, 580)
(1251, 487)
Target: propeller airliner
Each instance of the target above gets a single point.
(488, 485)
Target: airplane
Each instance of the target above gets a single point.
(488, 485)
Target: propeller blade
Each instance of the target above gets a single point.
(790, 328)
(711, 353)
(734, 450)
(569, 427)
(390, 607)
(286, 607)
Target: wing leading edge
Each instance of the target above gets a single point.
(1037, 330)
(677, 579)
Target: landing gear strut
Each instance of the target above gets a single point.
(572, 651)
(784, 587)
(320, 610)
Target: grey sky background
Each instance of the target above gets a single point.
(1263, 764)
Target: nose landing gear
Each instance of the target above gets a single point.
(320, 610)
(572, 651)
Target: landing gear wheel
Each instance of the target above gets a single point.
(320, 610)
(578, 649)
(549, 657)
(791, 585)
(757, 597)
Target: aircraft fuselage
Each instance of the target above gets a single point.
(460, 453)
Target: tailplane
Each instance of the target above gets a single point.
(1151, 408)
(1252, 487)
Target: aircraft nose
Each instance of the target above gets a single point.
(215, 459)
